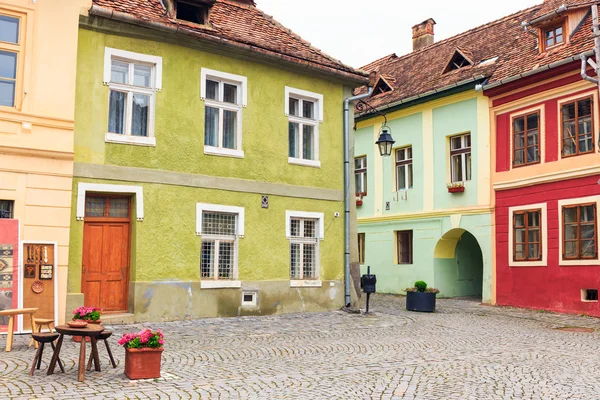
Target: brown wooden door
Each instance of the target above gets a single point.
(105, 269)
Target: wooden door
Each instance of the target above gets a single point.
(105, 268)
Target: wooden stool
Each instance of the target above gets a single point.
(43, 338)
(103, 336)
(39, 323)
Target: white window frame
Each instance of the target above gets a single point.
(216, 283)
(543, 232)
(242, 84)
(320, 217)
(111, 54)
(317, 99)
(406, 162)
(462, 156)
(362, 175)
(575, 202)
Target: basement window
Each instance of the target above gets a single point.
(457, 61)
(249, 299)
(191, 12)
(589, 295)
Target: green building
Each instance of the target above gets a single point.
(208, 164)
(425, 212)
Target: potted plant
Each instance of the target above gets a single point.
(359, 197)
(456, 187)
(420, 297)
(91, 315)
(143, 352)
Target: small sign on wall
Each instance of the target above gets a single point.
(265, 202)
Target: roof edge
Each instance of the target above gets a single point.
(360, 77)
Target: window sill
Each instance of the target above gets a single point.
(218, 151)
(306, 163)
(129, 139)
(579, 263)
(217, 284)
(305, 283)
(521, 264)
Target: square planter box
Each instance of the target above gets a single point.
(459, 189)
(420, 301)
(143, 363)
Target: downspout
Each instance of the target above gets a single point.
(347, 197)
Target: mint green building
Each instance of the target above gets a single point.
(208, 164)
(425, 212)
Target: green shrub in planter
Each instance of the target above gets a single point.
(420, 297)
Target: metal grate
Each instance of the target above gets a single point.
(304, 248)
(219, 245)
(219, 224)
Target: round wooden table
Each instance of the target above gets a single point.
(11, 322)
(92, 331)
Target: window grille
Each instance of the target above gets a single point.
(218, 258)
(304, 248)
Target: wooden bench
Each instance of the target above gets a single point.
(11, 313)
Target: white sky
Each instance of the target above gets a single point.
(358, 31)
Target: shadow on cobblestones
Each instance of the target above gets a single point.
(463, 351)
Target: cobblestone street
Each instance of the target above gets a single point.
(464, 351)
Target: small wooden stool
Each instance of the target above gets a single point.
(39, 323)
(103, 336)
(43, 338)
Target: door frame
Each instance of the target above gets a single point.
(108, 220)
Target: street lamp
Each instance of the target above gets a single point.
(385, 141)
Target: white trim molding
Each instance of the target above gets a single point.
(130, 139)
(305, 163)
(303, 94)
(543, 232)
(220, 151)
(238, 79)
(306, 283)
(550, 177)
(574, 202)
(200, 207)
(304, 214)
(109, 53)
(220, 284)
(83, 188)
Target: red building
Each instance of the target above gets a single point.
(546, 166)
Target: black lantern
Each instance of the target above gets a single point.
(385, 141)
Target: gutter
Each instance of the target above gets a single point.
(544, 17)
(537, 70)
(104, 12)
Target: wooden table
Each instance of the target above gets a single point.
(92, 331)
(11, 322)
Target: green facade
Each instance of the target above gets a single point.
(176, 174)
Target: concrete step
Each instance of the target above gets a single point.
(118, 319)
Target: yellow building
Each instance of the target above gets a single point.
(38, 51)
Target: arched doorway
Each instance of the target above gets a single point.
(458, 265)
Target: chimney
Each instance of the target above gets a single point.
(423, 34)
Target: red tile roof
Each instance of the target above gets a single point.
(499, 50)
(237, 22)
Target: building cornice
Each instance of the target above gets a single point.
(546, 178)
(427, 215)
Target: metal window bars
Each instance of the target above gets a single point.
(219, 245)
(304, 249)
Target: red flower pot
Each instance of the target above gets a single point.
(456, 189)
(359, 202)
(143, 363)
(87, 338)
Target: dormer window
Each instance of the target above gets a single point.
(381, 87)
(553, 35)
(458, 61)
(192, 11)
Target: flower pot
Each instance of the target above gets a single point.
(420, 301)
(87, 338)
(458, 189)
(359, 202)
(143, 363)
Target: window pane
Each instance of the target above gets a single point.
(211, 126)
(457, 168)
(293, 139)
(533, 219)
(119, 72)
(533, 252)
(358, 183)
(226, 257)
(519, 141)
(308, 142)
(141, 107)
(142, 75)
(569, 146)
(295, 260)
(584, 108)
(587, 231)
(207, 258)
(520, 235)
(570, 214)
(468, 166)
(519, 124)
(534, 236)
(230, 129)
(467, 142)
(410, 176)
(294, 105)
(588, 248)
(7, 93)
(520, 220)
(308, 109)
(6, 208)
(8, 64)
(571, 249)
(230, 93)
(568, 111)
(519, 157)
(212, 90)
(400, 155)
(588, 213)
(409, 153)
(94, 206)
(310, 230)
(9, 29)
(532, 122)
(220, 224)
(533, 154)
(309, 261)
(116, 112)
(401, 178)
(585, 143)
(455, 143)
(520, 251)
(295, 227)
(570, 232)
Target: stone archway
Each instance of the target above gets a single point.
(458, 264)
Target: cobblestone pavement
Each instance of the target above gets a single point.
(464, 351)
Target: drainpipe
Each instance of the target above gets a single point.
(347, 197)
(584, 58)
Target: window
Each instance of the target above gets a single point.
(579, 234)
(133, 80)
(527, 239)
(577, 127)
(460, 158)
(304, 248)
(191, 12)
(553, 36)
(361, 248)
(249, 299)
(526, 145)
(224, 96)
(106, 207)
(381, 87)
(404, 169)
(6, 209)
(304, 111)
(10, 50)
(360, 175)
(457, 61)
(405, 247)
(219, 245)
